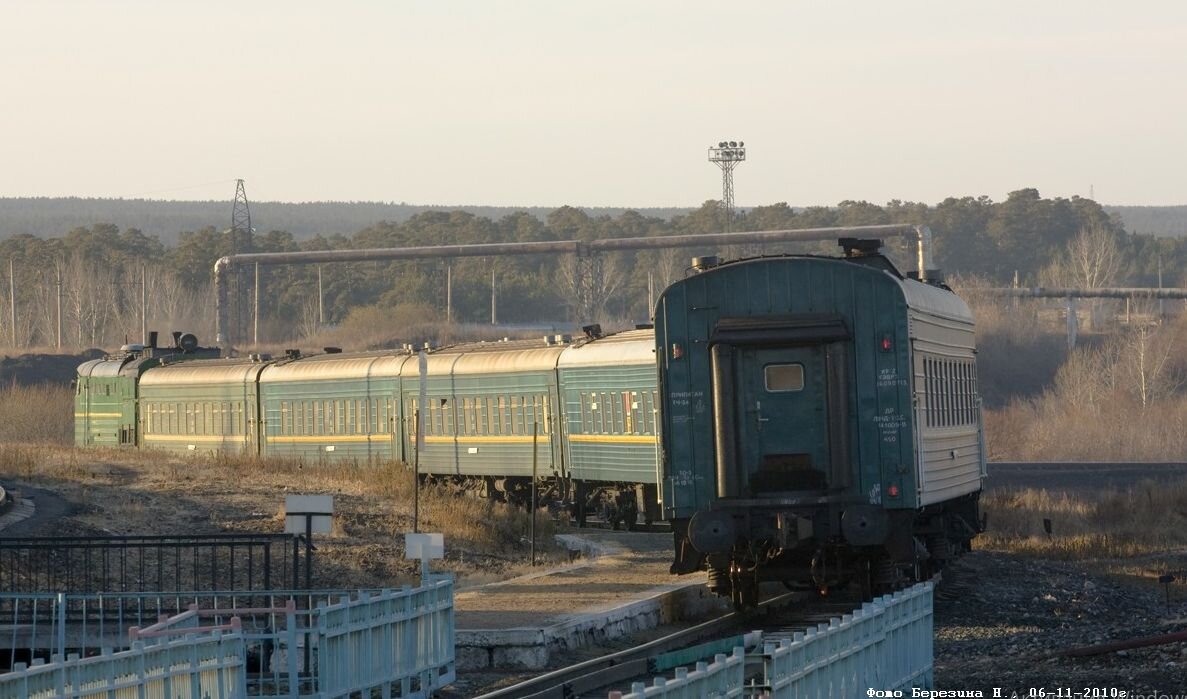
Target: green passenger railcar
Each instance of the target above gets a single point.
(335, 407)
(611, 415)
(482, 403)
(209, 406)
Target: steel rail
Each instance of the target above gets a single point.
(597, 673)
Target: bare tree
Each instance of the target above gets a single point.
(614, 274)
(1146, 362)
(1092, 260)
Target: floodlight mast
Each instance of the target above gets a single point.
(726, 155)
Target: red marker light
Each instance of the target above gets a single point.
(892, 491)
(886, 345)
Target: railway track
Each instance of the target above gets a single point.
(776, 617)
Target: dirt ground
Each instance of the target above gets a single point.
(97, 492)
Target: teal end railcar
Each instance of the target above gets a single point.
(611, 413)
(821, 423)
(482, 402)
(106, 410)
(333, 407)
(202, 407)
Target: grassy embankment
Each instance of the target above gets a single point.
(149, 492)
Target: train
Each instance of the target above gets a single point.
(810, 420)
(585, 411)
(821, 423)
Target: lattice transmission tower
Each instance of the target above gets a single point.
(240, 243)
(727, 155)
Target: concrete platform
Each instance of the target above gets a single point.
(623, 586)
(14, 508)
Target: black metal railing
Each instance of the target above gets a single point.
(200, 563)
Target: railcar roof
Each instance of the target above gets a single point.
(935, 300)
(629, 347)
(485, 360)
(336, 366)
(100, 367)
(919, 296)
(202, 372)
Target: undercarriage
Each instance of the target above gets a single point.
(821, 548)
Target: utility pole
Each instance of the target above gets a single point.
(255, 311)
(321, 311)
(58, 274)
(650, 294)
(449, 292)
(143, 305)
(12, 298)
(494, 316)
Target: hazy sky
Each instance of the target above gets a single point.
(603, 103)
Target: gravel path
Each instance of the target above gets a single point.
(1013, 615)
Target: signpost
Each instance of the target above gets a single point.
(424, 547)
(304, 515)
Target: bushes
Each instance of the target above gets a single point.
(39, 414)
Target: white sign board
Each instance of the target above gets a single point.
(319, 507)
(423, 546)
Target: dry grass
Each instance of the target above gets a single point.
(143, 492)
(1149, 519)
(41, 414)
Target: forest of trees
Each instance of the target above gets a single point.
(100, 265)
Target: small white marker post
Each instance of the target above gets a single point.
(306, 514)
(424, 547)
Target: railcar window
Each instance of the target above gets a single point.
(547, 415)
(784, 378)
(619, 426)
(963, 394)
(605, 414)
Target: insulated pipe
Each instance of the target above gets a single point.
(1104, 293)
(920, 234)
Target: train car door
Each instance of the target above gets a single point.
(782, 418)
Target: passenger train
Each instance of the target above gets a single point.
(586, 409)
(803, 419)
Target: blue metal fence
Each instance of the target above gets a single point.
(396, 639)
(721, 679)
(295, 644)
(885, 645)
(209, 666)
